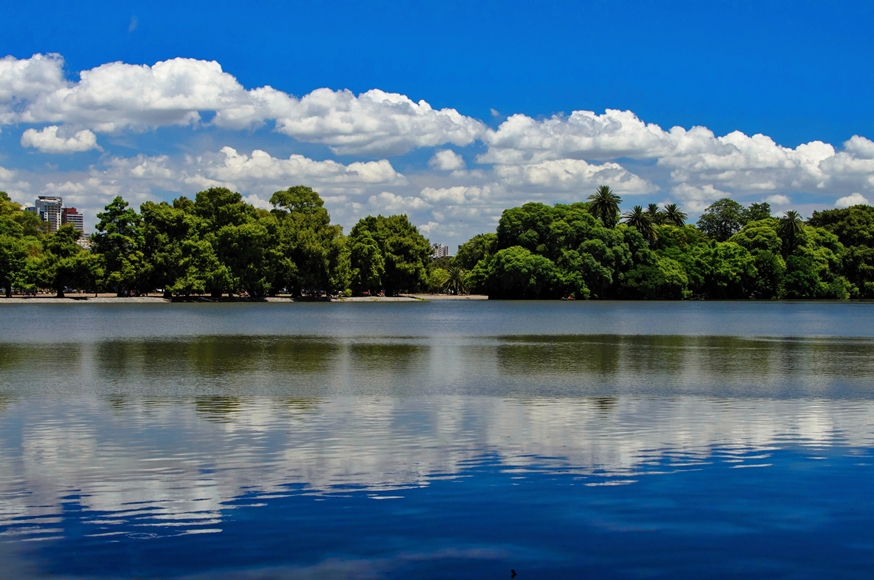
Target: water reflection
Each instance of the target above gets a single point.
(397, 451)
(181, 463)
(518, 366)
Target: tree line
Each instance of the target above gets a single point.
(214, 244)
(218, 244)
(590, 250)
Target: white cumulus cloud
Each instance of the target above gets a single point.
(446, 160)
(558, 158)
(256, 176)
(117, 96)
(390, 203)
(859, 147)
(429, 227)
(375, 122)
(696, 157)
(852, 199)
(778, 200)
(48, 140)
(456, 195)
(566, 175)
(583, 134)
(697, 199)
(22, 80)
(231, 166)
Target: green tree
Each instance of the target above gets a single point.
(756, 212)
(165, 231)
(854, 228)
(219, 207)
(119, 240)
(527, 226)
(518, 273)
(236, 234)
(367, 263)
(659, 279)
(406, 253)
(790, 229)
(13, 259)
(301, 200)
(65, 264)
(13, 251)
(722, 219)
(731, 270)
(457, 280)
(475, 249)
(641, 221)
(604, 204)
(673, 215)
(655, 214)
(18, 223)
(586, 253)
(310, 249)
(200, 270)
(761, 240)
(243, 249)
(438, 278)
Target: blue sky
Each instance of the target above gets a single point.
(501, 80)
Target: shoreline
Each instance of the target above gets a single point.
(158, 299)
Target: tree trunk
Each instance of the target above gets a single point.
(60, 293)
(168, 295)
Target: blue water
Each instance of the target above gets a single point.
(429, 441)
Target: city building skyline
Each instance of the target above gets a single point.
(439, 251)
(51, 210)
(70, 215)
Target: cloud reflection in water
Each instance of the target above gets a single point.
(134, 440)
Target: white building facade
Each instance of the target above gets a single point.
(51, 210)
(439, 251)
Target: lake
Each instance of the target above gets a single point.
(437, 440)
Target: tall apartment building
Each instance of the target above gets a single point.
(439, 251)
(49, 208)
(71, 216)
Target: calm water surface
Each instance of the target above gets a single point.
(437, 440)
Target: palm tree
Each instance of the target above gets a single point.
(604, 205)
(789, 228)
(656, 215)
(674, 215)
(639, 219)
(456, 281)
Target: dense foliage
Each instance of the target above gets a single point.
(218, 244)
(587, 250)
(30, 258)
(215, 244)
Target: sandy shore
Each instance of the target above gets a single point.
(411, 298)
(84, 299)
(158, 299)
(450, 297)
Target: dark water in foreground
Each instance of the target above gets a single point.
(437, 440)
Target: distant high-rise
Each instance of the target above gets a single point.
(439, 251)
(69, 215)
(49, 208)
